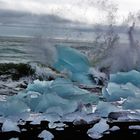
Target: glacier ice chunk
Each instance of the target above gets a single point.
(132, 77)
(60, 96)
(9, 125)
(71, 60)
(98, 129)
(14, 139)
(39, 86)
(114, 92)
(46, 135)
(74, 63)
(136, 127)
(114, 128)
(104, 108)
(131, 103)
(52, 100)
(13, 107)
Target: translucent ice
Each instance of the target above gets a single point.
(72, 60)
(78, 117)
(104, 108)
(60, 96)
(13, 107)
(98, 129)
(114, 128)
(52, 100)
(9, 125)
(66, 89)
(132, 103)
(46, 135)
(74, 63)
(132, 77)
(55, 125)
(136, 127)
(82, 78)
(14, 139)
(39, 86)
(114, 92)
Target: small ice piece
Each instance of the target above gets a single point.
(134, 127)
(132, 77)
(60, 129)
(114, 128)
(52, 125)
(46, 135)
(104, 108)
(106, 132)
(23, 130)
(9, 125)
(98, 129)
(14, 139)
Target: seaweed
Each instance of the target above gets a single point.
(16, 71)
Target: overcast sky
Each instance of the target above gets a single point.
(87, 11)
